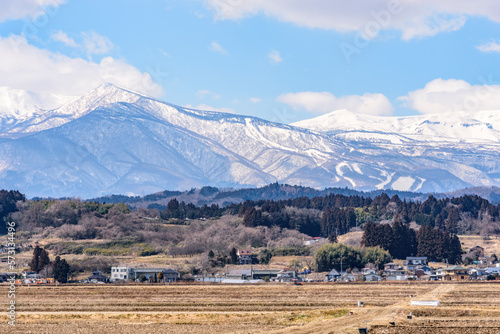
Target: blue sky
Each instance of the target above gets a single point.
(279, 60)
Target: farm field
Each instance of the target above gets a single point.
(279, 308)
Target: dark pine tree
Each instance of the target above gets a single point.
(369, 238)
(61, 270)
(233, 256)
(455, 250)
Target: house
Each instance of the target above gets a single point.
(476, 273)
(313, 241)
(453, 273)
(372, 278)
(239, 274)
(391, 266)
(398, 275)
(493, 270)
(96, 277)
(332, 275)
(272, 273)
(149, 273)
(427, 270)
(285, 276)
(244, 256)
(170, 275)
(346, 277)
(368, 271)
(28, 274)
(477, 251)
(121, 274)
(412, 262)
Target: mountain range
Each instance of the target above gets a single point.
(113, 140)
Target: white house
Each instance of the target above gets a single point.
(493, 270)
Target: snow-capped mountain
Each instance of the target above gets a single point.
(112, 140)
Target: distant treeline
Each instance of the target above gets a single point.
(224, 196)
(337, 214)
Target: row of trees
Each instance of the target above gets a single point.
(338, 213)
(399, 239)
(402, 241)
(182, 210)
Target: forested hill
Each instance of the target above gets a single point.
(389, 222)
(337, 214)
(223, 196)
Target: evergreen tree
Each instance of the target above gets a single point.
(455, 250)
(400, 244)
(249, 220)
(385, 236)
(369, 238)
(40, 259)
(35, 259)
(44, 259)
(8, 201)
(234, 256)
(332, 238)
(60, 270)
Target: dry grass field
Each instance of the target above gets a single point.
(311, 308)
(490, 244)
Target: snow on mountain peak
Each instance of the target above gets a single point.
(481, 126)
(103, 95)
(113, 140)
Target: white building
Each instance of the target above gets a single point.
(313, 241)
(121, 274)
(493, 270)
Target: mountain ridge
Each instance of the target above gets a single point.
(113, 140)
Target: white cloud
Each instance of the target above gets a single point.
(440, 96)
(412, 18)
(489, 47)
(91, 42)
(18, 9)
(325, 102)
(275, 57)
(63, 38)
(255, 99)
(205, 107)
(95, 43)
(203, 93)
(216, 47)
(56, 78)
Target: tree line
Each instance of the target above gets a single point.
(401, 241)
